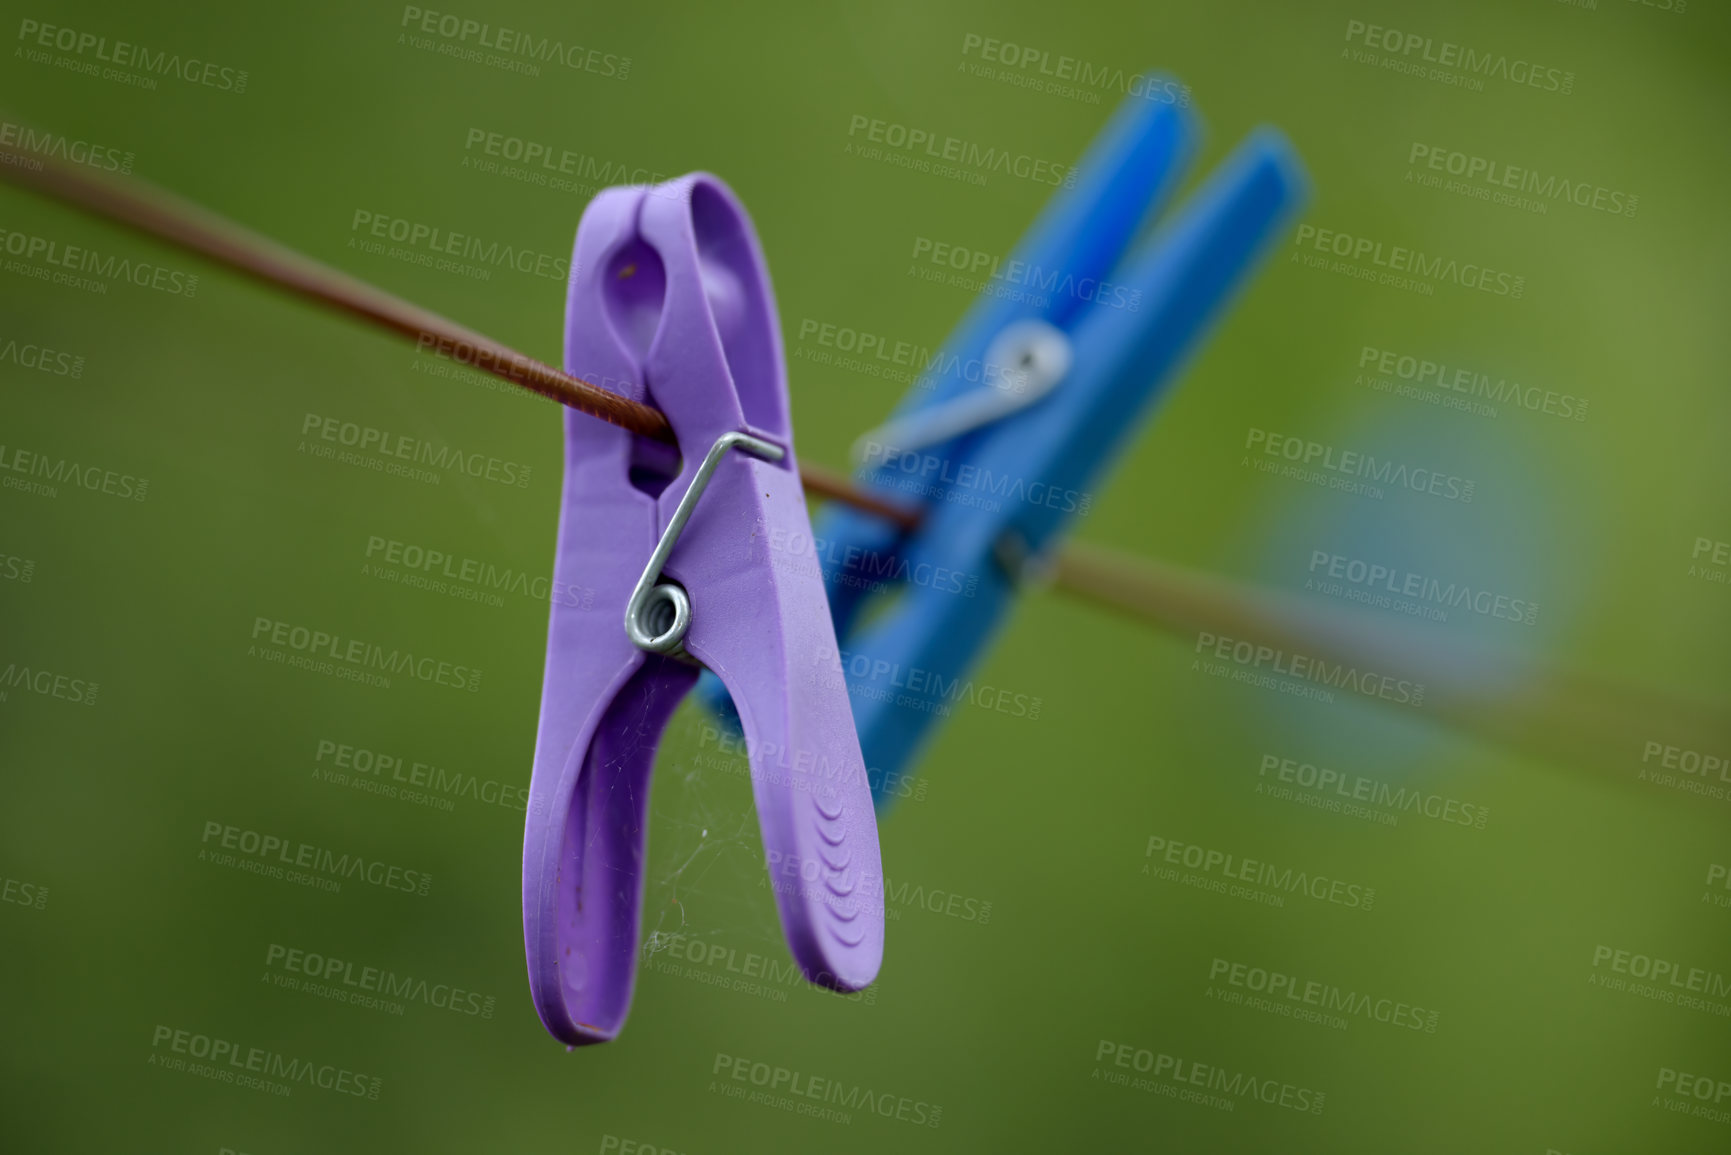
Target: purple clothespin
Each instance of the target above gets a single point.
(670, 304)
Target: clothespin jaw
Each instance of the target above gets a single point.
(670, 304)
(1096, 338)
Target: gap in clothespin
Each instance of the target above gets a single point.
(653, 464)
(635, 295)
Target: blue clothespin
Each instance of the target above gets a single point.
(1026, 408)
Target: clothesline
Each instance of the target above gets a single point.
(168, 217)
(1560, 715)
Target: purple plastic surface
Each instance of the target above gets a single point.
(670, 303)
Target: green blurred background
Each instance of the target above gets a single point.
(119, 924)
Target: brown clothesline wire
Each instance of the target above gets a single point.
(165, 216)
(1556, 714)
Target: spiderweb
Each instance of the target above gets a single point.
(706, 879)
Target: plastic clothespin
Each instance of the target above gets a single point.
(670, 304)
(1021, 415)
